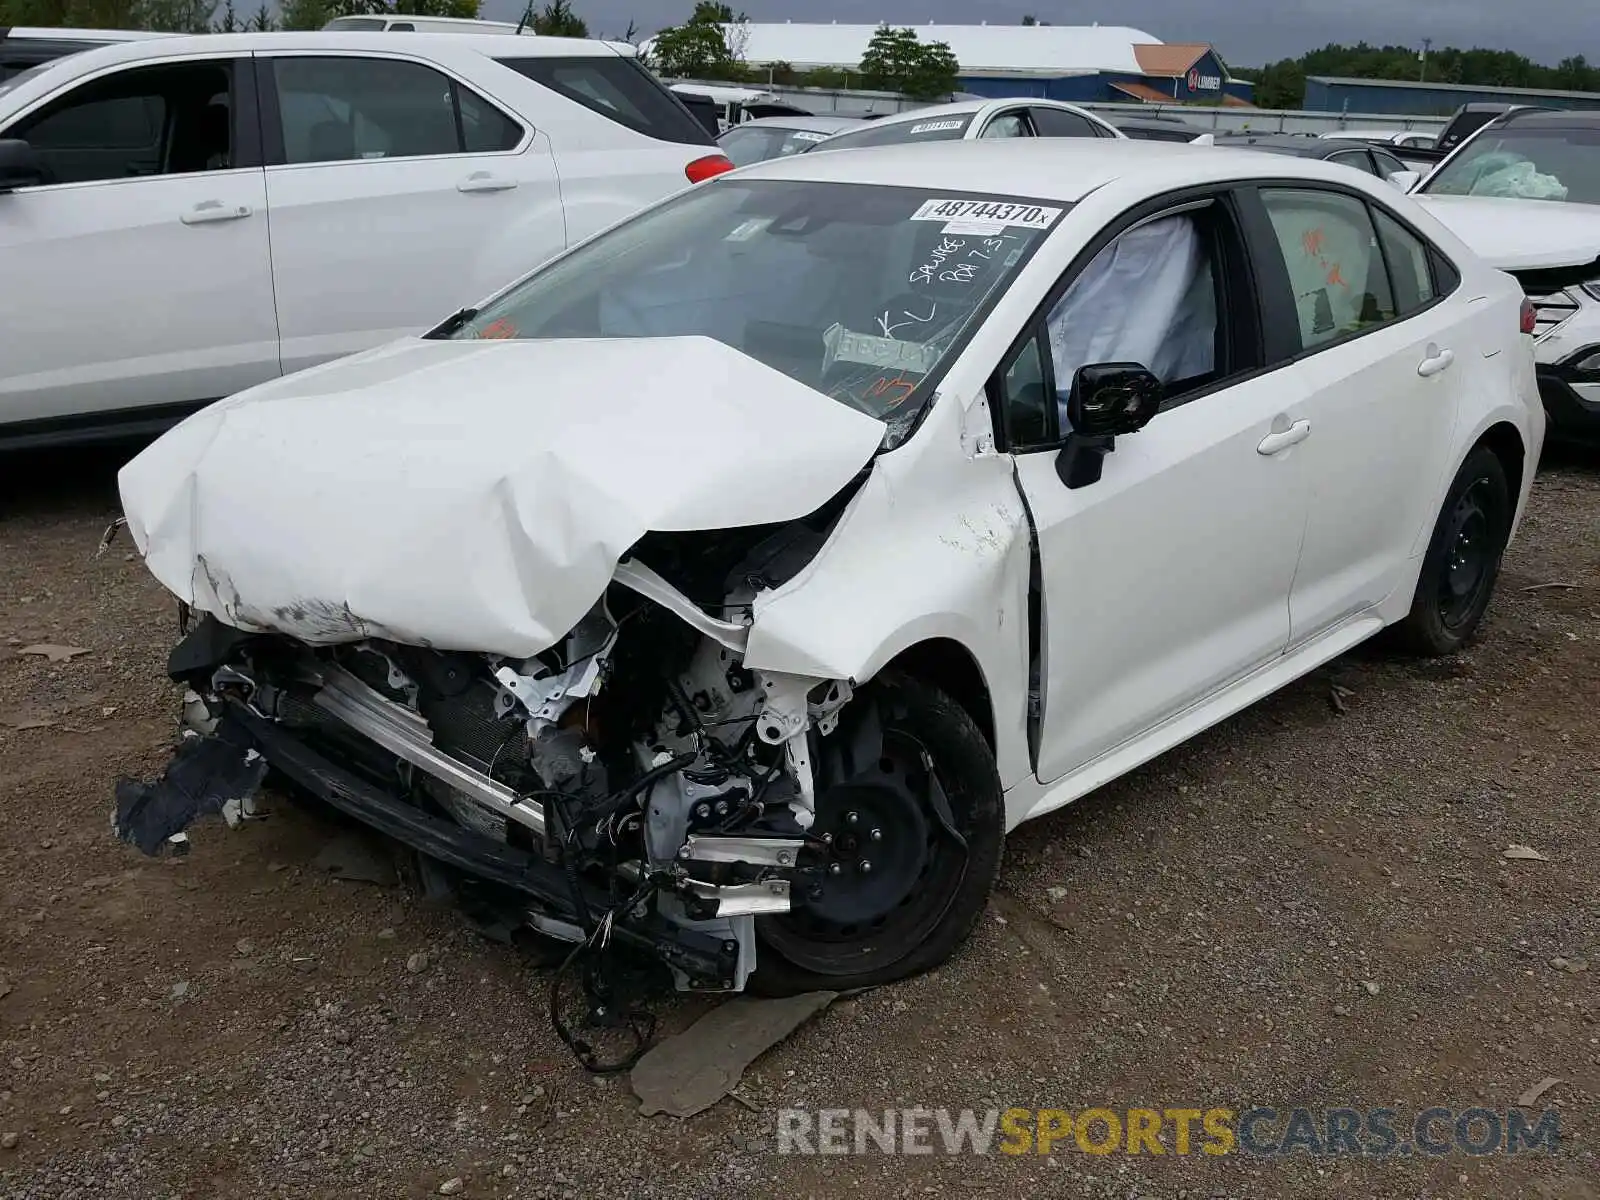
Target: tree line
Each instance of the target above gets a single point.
(712, 45)
(1282, 84)
(557, 18)
(895, 60)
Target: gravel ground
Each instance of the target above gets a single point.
(1202, 933)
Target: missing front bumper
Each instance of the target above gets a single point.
(208, 774)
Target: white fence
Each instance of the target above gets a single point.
(853, 103)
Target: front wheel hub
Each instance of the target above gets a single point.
(876, 841)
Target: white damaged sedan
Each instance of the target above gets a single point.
(720, 594)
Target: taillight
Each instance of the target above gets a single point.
(709, 167)
(1530, 319)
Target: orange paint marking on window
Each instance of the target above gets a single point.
(885, 385)
(1312, 241)
(1336, 279)
(498, 330)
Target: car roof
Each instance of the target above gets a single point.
(1059, 169)
(1551, 118)
(1304, 147)
(1172, 124)
(931, 112)
(963, 108)
(97, 36)
(1287, 143)
(808, 122)
(490, 45)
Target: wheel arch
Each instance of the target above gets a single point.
(953, 669)
(1505, 440)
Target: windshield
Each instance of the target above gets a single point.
(860, 292)
(746, 144)
(895, 133)
(1526, 164)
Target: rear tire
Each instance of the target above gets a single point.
(921, 894)
(1462, 563)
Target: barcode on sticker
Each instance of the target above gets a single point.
(989, 212)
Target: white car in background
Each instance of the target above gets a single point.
(184, 217)
(738, 623)
(967, 120)
(1524, 192)
(1404, 139)
(778, 137)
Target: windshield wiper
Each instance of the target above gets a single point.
(452, 324)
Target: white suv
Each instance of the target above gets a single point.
(1524, 192)
(184, 217)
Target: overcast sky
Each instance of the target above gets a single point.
(1247, 32)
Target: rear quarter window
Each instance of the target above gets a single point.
(620, 90)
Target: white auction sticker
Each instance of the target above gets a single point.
(991, 213)
(805, 135)
(937, 126)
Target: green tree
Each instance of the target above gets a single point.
(557, 19)
(700, 47)
(174, 16)
(261, 21)
(897, 61)
(1278, 85)
(314, 14)
(305, 14)
(228, 20)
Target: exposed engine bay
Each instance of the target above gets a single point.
(634, 788)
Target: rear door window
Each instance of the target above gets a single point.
(1388, 164)
(1359, 159)
(1407, 256)
(1330, 247)
(618, 89)
(1013, 124)
(343, 109)
(1058, 122)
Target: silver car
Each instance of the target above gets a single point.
(778, 137)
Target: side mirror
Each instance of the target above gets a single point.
(19, 165)
(1406, 180)
(1106, 399)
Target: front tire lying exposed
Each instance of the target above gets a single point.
(910, 802)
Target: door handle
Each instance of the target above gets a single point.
(1437, 360)
(482, 181)
(1276, 443)
(208, 211)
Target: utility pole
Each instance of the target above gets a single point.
(1427, 44)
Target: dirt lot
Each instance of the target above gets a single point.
(235, 1023)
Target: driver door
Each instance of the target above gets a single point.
(137, 276)
(1169, 577)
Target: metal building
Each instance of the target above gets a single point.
(1107, 63)
(1328, 93)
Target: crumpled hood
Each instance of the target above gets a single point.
(474, 495)
(1521, 235)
